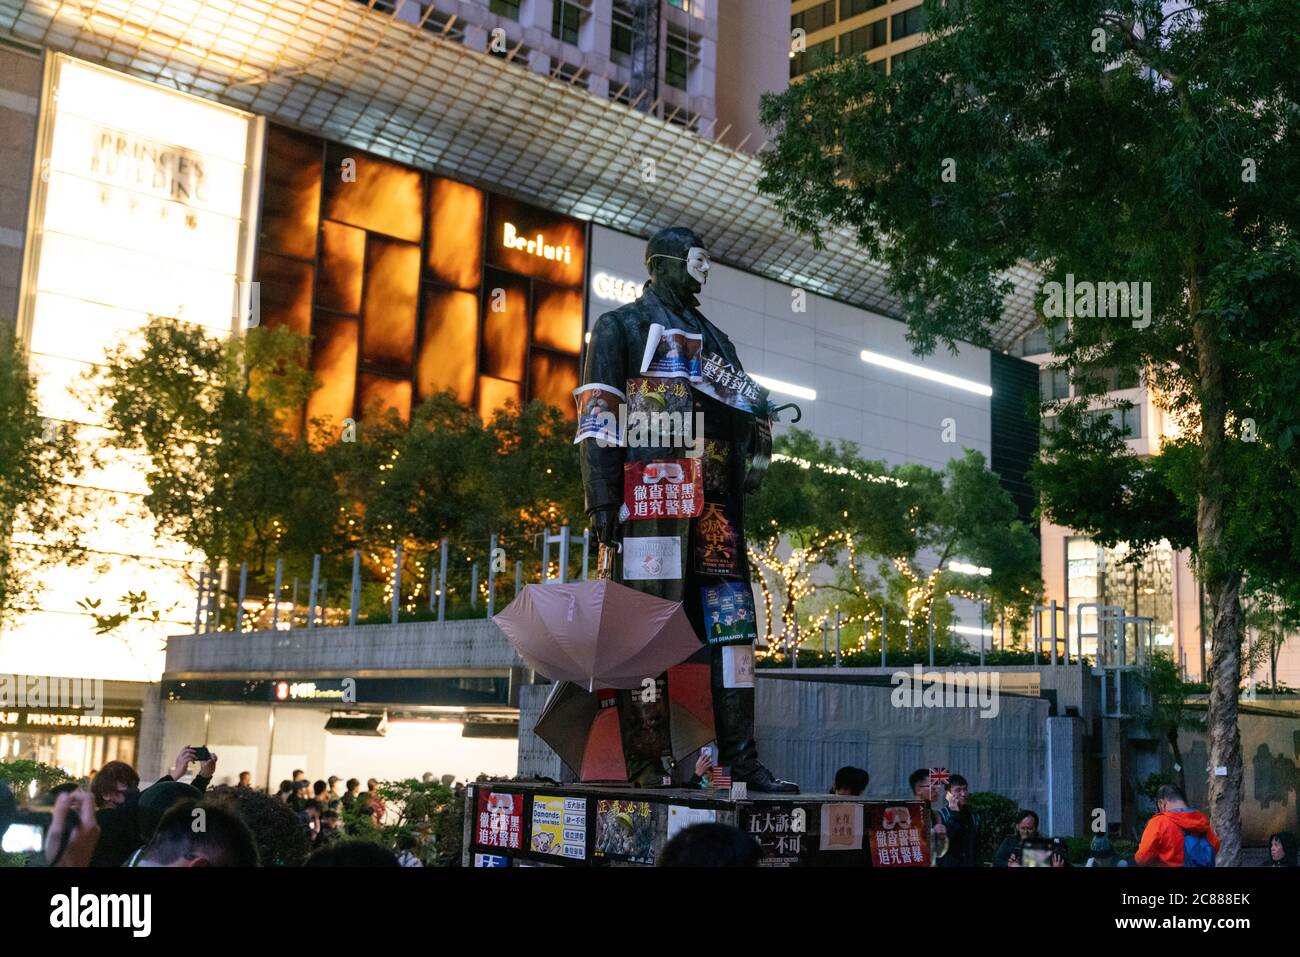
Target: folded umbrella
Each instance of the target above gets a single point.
(598, 633)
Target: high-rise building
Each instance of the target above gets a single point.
(884, 31)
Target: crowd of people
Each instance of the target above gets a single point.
(176, 823)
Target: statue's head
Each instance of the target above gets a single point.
(677, 261)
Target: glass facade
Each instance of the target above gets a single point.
(1104, 576)
(410, 283)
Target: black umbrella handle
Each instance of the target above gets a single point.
(605, 560)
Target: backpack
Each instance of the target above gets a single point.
(1197, 851)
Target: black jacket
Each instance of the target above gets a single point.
(963, 837)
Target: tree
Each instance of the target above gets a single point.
(448, 474)
(825, 507)
(39, 512)
(1117, 141)
(208, 413)
(820, 499)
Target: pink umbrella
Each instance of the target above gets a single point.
(597, 633)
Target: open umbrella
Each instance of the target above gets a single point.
(584, 733)
(690, 707)
(597, 633)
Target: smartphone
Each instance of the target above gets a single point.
(1036, 852)
(201, 754)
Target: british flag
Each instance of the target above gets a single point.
(938, 776)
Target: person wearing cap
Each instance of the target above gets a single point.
(661, 347)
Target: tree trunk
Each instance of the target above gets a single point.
(1223, 591)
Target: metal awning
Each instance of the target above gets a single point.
(351, 73)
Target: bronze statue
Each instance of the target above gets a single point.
(673, 434)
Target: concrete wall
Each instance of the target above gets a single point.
(20, 92)
(753, 59)
(1270, 750)
(463, 646)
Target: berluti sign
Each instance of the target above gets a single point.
(535, 242)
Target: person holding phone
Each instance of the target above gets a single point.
(963, 826)
(74, 832)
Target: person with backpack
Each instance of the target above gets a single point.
(1177, 836)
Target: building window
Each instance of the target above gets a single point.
(567, 17)
(851, 8)
(1128, 421)
(815, 18)
(902, 59)
(683, 57)
(627, 35)
(909, 22)
(681, 5)
(1053, 384)
(505, 8)
(864, 38)
(816, 56)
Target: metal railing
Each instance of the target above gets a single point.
(415, 586)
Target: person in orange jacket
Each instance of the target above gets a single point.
(1177, 836)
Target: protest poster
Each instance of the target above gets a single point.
(500, 818)
(729, 616)
(559, 826)
(672, 353)
(629, 831)
(899, 834)
(667, 489)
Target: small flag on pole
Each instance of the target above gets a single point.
(938, 776)
(720, 778)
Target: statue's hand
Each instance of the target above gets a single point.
(605, 525)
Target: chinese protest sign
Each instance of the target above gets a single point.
(628, 830)
(899, 834)
(669, 489)
(559, 826)
(716, 541)
(841, 826)
(726, 383)
(779, 828)
(500, 817)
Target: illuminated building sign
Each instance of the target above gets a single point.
(535, 247)
(140, 208)
(365, 692)
(69, 721)
(614, 289)
(309, 690)
(148, 165)
(520, 236)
